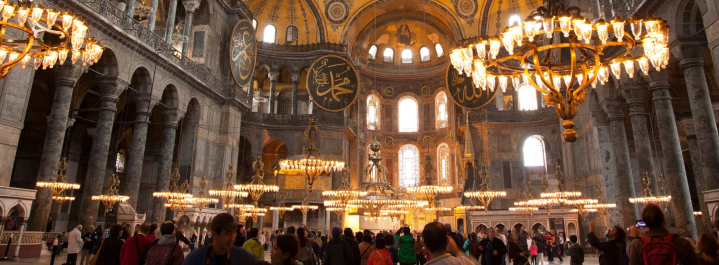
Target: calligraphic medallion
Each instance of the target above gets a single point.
(388, 91)
(332, 83)
(463, 92)
(389, 140)
(243, 52)
(425, 91)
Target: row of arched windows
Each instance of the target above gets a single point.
(406, 55)
(407, 113)
(270, 33)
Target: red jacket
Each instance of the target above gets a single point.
(129, 253)
(380, 257)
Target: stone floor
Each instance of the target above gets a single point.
(45, 259)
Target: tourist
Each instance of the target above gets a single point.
(223, 229)
(406, 246)
(575, 252)
(167, 251)
(389, 245)
(87, 243)
(533, 251)
(193, 239)
(380, 255)
(524, 240)
(338, 250)
(97, 239)
(284, 250)
(556, 242)
(612, 248)
(653, 217)
(151, 234)
(74, 245)
(291, 231)
(456, 237)
(109, 253)
(318, 238)
(204, 239)
(708, 247)
(253, 244)
(305, 255)
(515, 252)
(359, 236)
(240, 238)
(442, 250)
(131, 250)
(419, 251)
(366, 247)
(263, 240)
(492, 248)
(541, 244)
(560, 243)
(323, 247)
(56, 245)
(354, 246)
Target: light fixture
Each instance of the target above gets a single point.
(311, 165)
(176, 196)
(111, 196)
(228, 193)
(648, 196)
(305, 207)
(561, 196)
(59, 185)
(339, 198)
(256, 188)
(429, 191)
(663, 192)
(523, 206)
(280, 208)
(601, 207)
(201, 201)
(32, 21)
(590, 56)
(484, 194)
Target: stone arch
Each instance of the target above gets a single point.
(537, 226)
(501, 227)
(107, 66)
(272, 152)
(571, 229)
(518, 228)
(170, 97)
(481, 228)
(688, 21)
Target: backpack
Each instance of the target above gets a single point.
(473, 246)
(578, 257)
(659, 250)
(307, 256)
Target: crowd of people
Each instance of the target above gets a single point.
(227, 242)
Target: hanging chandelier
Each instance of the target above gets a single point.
(228, 193)
(34, 20)
(201, 201)
(523, 206)
(392, 213)
(663, 192)
(240, 208)
(256, 188)
(311, 165)
(176, 196)
(59, 185)
(429, 191)
(533, 60)
(601, 207)
(253, 212)
(342, 195)
(305, 206)
(142, 11)
(111, 196)
(561, 196)
(484, 194)
(582, 202)
(280, 208)
(648, 196)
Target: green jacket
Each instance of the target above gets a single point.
(406, 249)
(254, 247)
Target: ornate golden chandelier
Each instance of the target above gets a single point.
(256, 188)
(533, 64)
(484, 194)
(429, 191)
(280, 208)
(59, 185)
(342, 195)
(601, 207)
(176, 196)
(523, 206)
(228, 193)
(561, 196)
(201, 201)
(582, 202)
(305, 206)
(253, 212)
(311, 165)
(34, 20)
(111, 196)
(648, 196)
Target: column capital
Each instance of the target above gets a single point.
(191, 5)
(142, 103)
(614, 108)
(68, 73)
(273, 76)
(111, 88)
(689, 51)
(295, 77)
(687, 124)
(169, 117)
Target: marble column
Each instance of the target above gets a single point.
(672, 153)
(18, 240)
(130, 8)
(170, 26)
(690, 53)
(688, 125)
(273, 81)
(275, 221)
(152, 17)
(251, 86)
(65, 77)
(169, 129)
(190, 7)
(136, 156)
(97, 164)
(635, 93)
(328, 217)
(295, 84)
(623, 181)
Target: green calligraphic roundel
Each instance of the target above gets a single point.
(332, 83)
(464, 93)
(243, 52)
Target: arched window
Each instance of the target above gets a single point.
(254, 23)
(407, 115)
(443, 165)
(291, 34)
(269, 34)
(120, 161)
(408, 166)
(514, 20)
(372, 113)
(439, 50)
(372, 52)
(440, 102)
(527, 98)
(388, 55)
(533, 151)
(424, 54)
(406, 56)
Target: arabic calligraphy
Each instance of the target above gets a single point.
(332, 83)
(243, 52)
(465, 94)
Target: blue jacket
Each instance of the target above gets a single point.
(237, 256)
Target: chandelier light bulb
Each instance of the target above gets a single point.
(25, 61)
(567, 80)
(636, 27)
(595, 81)
(602, 30)
(22, 14)
(516, 82)
(503, 83)
(3, 54)
(586, 31)
(516, 31)
(51, 17)
(13, 56)
(481, 50)
(616, 69)
(476, 80)
(580, 79)
(7, 12)
(549, 26)
(529, 28)
(618, 27)
(577, 25)
(76, 54)
(603, 75)
(565, 25)
(468, 53)
(62, 56)
(629, 67)
(508, 42)
(557, 81)
(36, 14)
(66, 21)
(491, 82)
(494, 47)
(37, 61)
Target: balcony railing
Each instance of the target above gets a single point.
(28, 238)
(263, 46)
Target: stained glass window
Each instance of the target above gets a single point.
(533, 151)
(443, 157)
(407, 115)
(372, 113)
(441, 103)
(408, 166)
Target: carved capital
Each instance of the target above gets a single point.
(614, 108)
(274, 76)
(68, 73)
(295, 77)
(111, 87)
(169, 117)
(687, 124)
(659, 79)
(689, 51)
(191, 5)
